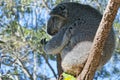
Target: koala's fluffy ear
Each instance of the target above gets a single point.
(60, 11)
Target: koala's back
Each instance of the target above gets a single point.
(75, 54)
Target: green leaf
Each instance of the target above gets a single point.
(68, 77)
(2, 42)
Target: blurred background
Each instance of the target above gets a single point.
(23, 29)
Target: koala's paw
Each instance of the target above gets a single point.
(72, 69)
(68, 34)
(66, 37)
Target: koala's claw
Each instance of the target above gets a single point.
(68, 33)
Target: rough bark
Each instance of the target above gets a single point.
(99, 40)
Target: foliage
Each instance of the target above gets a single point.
(117, 28)
(68, 77)
(19, 43)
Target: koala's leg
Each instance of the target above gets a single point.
(73, 61)
(58, 42)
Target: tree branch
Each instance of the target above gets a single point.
(24, 69)
(46, 60)
(45, 4)
(98, 43)
(35, 66)
(59, 68)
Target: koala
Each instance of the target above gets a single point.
(73, 27)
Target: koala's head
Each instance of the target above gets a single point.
(54, 24)
(61, 15)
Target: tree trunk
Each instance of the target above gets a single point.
(98, 43)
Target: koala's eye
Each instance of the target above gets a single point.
(62, 7)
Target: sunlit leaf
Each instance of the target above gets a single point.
(2, 42)
(68, 77)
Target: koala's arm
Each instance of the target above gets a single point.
(58, 42)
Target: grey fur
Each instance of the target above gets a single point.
(73, 27)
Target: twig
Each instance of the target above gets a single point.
(44, 56)
(24, 69)
(45, 4)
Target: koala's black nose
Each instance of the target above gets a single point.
(50, 33)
